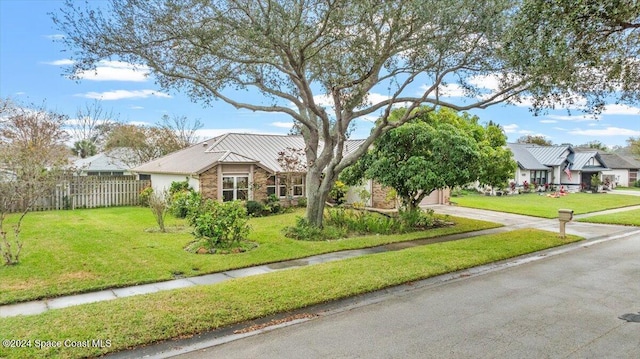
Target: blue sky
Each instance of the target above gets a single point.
(32, 71)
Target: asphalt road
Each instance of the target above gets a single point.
(563, 306)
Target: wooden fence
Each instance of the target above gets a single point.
(92, 192)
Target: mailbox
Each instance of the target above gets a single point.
(565, 215)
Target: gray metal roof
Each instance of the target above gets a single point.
(582, 158)
(190, 160)
(551, 155)
(231, 148)
(524, 158)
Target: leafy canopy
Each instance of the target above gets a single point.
(328, 63)
(435, 151)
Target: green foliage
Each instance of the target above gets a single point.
(179, 186)
(221, 225)
(339, 192)
(362, 222)
(636, 183)
(255, 209)
(272, 205)
(341, 222)
(434, 151)
(184, 202)
(143, 197)
(302, 202)
(303, 230)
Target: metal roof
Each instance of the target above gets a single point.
(582, 158)
(551, 155)
(524, 158)
(232, 148)
(190, 160)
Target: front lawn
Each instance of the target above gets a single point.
(140, 320)
(533, 204)
(627, 218)
(68, 252)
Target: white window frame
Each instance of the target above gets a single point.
(235, 188)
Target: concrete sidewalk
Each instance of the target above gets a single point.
(510, 221)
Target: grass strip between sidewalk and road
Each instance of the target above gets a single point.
(539, 205)
(628, 218)
(135, 321)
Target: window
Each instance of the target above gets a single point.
(539, 177)
(298, 186)
(633, 176)
(282, 186)
(235, 188)
(271, 185)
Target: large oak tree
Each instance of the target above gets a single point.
(303, 54)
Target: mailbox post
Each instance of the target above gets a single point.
(564, 216)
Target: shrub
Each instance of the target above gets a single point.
(636, 183)
(143, 197)
(305, 231)
(361, 222)
(159, 206)
(302, 202)
(255, 209)
(272, 204)
(184, 202)
(222, 225)
(417, 219)
(339, 192)
(182, 186)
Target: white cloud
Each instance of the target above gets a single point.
(513, 128)
(609, 131)
(490, 82)
(116, 71)
(576, 118)
(548, 121)
(63, 62)
(448, 90)
(618, 109)
(55, 37)
(136, 108)
(280, 124)
(123, 94)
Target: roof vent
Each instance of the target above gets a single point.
(205, 144)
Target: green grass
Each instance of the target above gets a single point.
(532, 204)
(628, 188)
(627, 218)
(67, 252)
(140, 320)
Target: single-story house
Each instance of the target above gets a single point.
(107, 163)
(241, 166)
(623, 171)
(559, 165)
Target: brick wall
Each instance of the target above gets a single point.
(379, 197)
(209, 183)
(260, 184)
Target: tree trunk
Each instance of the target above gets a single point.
(317, 192)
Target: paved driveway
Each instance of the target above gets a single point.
(564, 306)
